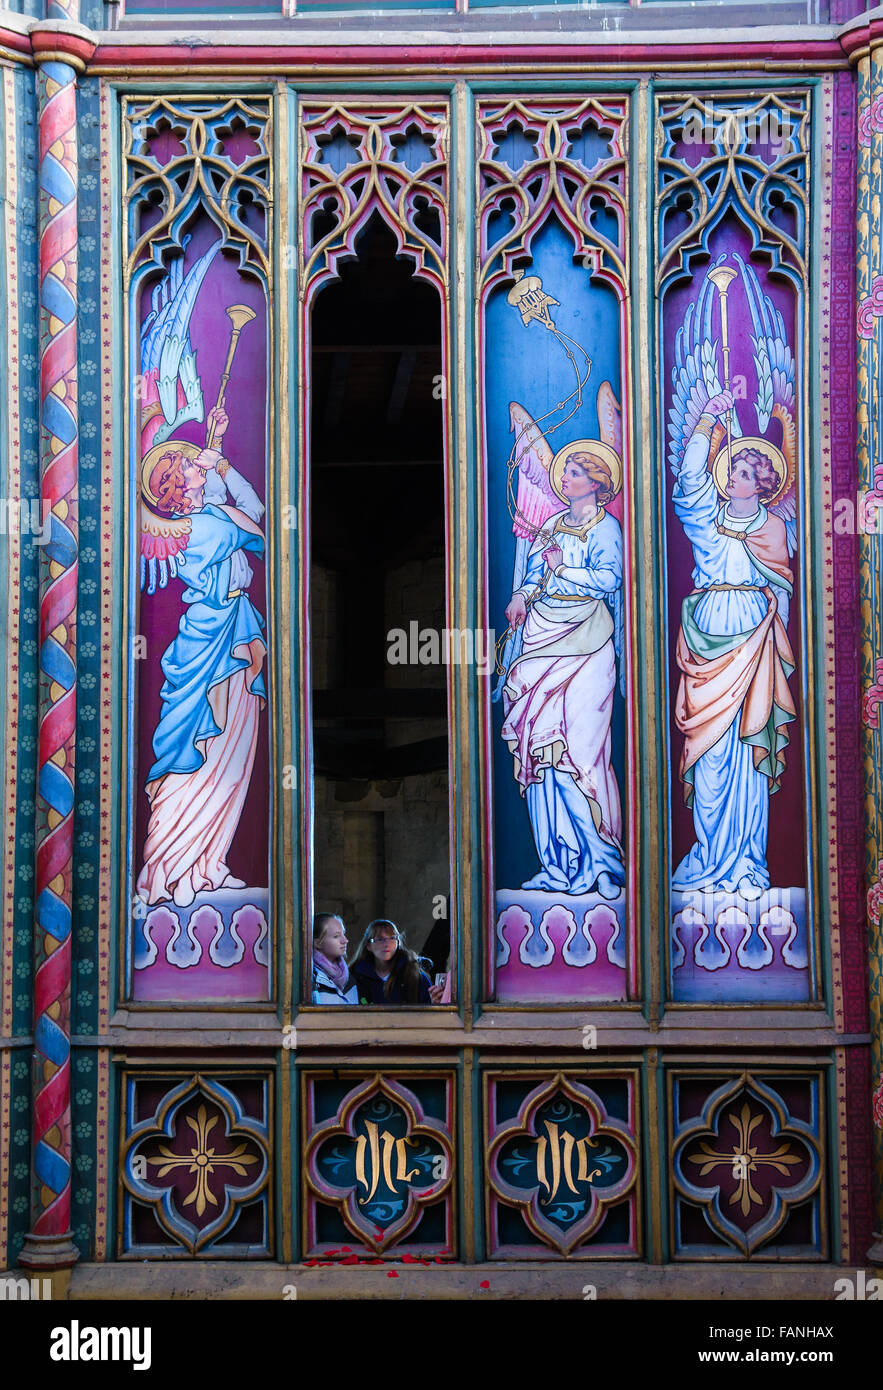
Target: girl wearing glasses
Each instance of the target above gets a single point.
(385, 971)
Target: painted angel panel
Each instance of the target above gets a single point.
(735, 497)
(201, 535)
(566, 619)
(559, 566)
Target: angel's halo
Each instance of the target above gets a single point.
(152, 458)
(720, 469)
(605, 452)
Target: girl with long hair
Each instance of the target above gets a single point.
(386, 971)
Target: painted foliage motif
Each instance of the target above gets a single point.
(733, 295)
(554, 270)
(201, 844)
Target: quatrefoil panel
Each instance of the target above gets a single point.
(195, 1170)
(747, 1164)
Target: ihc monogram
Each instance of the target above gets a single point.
(555, 1160)
(380, 1148)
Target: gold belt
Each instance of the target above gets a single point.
(729, 588)
(569, 598)
(236, 593)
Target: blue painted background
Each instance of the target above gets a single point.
(529, 365)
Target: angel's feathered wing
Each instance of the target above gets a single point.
(534, 502)
(169, 379)
(695, 375)
(171, 393)
(776, 389)
(610, 431)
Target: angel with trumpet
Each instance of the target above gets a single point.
(199, 520)
(735, 497)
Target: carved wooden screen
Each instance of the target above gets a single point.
(554, 274)
(644, 907)
(198, 287)
(732, 279)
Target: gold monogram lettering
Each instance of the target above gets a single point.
(555, 1160)
(381, 1149)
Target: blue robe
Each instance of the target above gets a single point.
(211, 644)
(730, 795)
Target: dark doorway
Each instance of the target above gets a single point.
(380, 728)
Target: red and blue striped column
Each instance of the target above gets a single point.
(49, 1242)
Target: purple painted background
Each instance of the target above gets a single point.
(245, 445)
(786, 850)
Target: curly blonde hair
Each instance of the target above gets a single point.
(765, 475)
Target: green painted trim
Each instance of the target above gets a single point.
(121, 556)
(115, 1109)
(288, 323)
(462, 210)
(379, 87)
(812, 620)
(477, 1175)
(652, 751)
(834, 1176)
(576, 84)
(144, 86)
(666, 1235)
(768, 82)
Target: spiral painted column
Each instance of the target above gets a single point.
(49, 1242)
(869, 266)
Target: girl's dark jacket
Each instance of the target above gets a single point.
(370, 985)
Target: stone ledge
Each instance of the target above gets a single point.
(528, 1279)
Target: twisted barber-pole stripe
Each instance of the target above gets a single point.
(58, 609)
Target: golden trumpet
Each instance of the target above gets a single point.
(239, 315)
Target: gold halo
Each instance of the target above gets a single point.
(606, 452)
(153, 456)
(720, 469)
